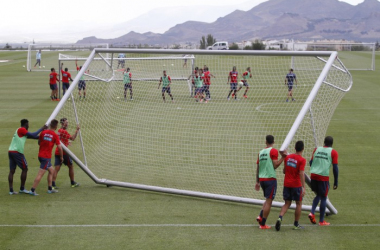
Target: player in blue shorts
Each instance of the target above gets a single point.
(121, 61)
(294, 184)
(232, 80)
(81, 84)
(290, 78)
(320, 164)
(166, 82)
(127, 80)
(267, 163)
(47, 139)
(16, 154)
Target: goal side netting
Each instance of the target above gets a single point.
(192, 148)
(355, 56)
(48, 54)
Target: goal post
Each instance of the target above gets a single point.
(49, 51)
(199, 149)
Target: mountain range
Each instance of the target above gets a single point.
(274, 19)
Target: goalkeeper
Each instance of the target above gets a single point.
(290, 78)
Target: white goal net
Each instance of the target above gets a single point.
(43, 57)
(355, 56)
(192, 148)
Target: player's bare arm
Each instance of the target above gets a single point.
(302, 176)
(257, 186)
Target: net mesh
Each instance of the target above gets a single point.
(207, 147)
(355, 56)
(49, 54)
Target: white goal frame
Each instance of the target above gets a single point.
(32, 48)
(332, 56)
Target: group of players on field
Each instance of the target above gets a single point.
(267, 162)
(200, 82)
(66, 78)
(47, 138)
(294, 182)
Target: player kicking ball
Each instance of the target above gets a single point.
(246, 76)
(294, 184)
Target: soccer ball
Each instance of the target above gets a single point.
(43, 66)
(23, 66)
(241, 83)
(172, 64)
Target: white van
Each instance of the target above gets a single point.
(219, 46)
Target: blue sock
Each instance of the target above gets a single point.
(280, 217)
(261, 213)
(11, 189)
(32, 189)
(296, 223)
(53, 183)
(322, 209)
(315, 204)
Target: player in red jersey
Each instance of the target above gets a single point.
(47, 140)
(294, 184)
(232, 80)
(207, 82)
(53, 78)
(64, 136)
(66, 76)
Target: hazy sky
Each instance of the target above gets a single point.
(26, 17)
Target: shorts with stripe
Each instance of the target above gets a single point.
(321, 188)
(17, 159)
(269, 188)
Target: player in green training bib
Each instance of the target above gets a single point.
(267, 163)
(16, 154)
(127, 80)
(320, 165)
(166, 81)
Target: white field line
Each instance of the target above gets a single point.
(181, 225)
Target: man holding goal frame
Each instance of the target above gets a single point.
(267, 163)
(294, 184)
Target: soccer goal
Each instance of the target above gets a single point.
(48, 54)
(199, 149)
(355, 56)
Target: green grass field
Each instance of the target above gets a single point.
(96, 217)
